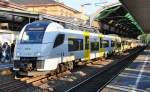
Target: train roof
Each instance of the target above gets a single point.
(68, 30)
(69, 26)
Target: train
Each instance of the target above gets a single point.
(45, 46)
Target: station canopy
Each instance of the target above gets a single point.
(140, 9)
(119, 18)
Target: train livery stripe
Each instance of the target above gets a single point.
(101, 50)
(86, 45)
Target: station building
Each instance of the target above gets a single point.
(8, 31)
(14, 14)
(51, 7)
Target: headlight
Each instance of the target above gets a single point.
(38, 54)
(18, 54)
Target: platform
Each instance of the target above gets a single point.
(135, 78)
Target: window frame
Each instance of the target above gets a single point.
(112, 43)
(80, 44)
(93, 48)
(104, 45)
(57, 41)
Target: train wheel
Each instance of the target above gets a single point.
(17, 75)
(106, 55)
(58, 69)
(70, 65)
(53, 72)
(63, 67)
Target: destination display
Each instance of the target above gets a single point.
(36, 29)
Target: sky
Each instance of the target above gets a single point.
(89, 9)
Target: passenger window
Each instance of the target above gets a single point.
(118, 44)
(94, 46)
(59, 40)
(75, 44)
(112, 44)
(105, 43)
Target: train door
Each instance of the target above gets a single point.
(101, 48)
(87, 46)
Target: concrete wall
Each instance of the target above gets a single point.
(57, 11)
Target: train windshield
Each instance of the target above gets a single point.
(34, 33)
(32, 37)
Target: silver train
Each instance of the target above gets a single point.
(45, 47)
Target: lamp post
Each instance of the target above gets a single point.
(92, 16)
(83, 11)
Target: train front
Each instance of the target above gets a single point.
(31, 49)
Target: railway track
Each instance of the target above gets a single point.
(10, 86)
(14, 85)
(98, 81)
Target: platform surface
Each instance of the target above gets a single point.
(135, 78)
